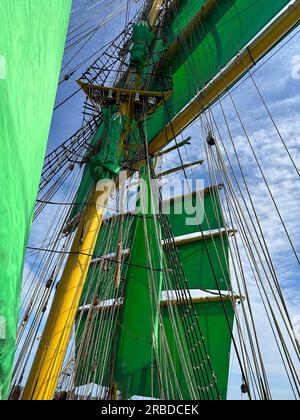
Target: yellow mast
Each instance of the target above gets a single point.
(49, 359)
(45, 371)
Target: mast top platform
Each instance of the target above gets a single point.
(106, 96)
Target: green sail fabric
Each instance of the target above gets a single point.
(205, 264)
(208, 209)
(181, 16)
(216, 330)
(103, 163)
(32, 39)
(140, 316)
(228, 28)
(87, 182)
(142, 38)
(99, 349)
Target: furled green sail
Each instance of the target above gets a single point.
(32, 38)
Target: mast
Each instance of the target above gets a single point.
(49, 359)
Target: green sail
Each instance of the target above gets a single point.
(216, 330)
(208, 207)
(125, 339)
(181, 17)
(227, 29)
(87, 183)
(205, 263)
(103, 343)
(139, 315)
(32, 39)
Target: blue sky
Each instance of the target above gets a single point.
(71, 113)
(278, 80)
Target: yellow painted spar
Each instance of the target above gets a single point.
(47, 366)
(229, 76)
(49, 358)
(155, 10)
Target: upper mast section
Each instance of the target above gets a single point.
(130, 88)
(154, 12)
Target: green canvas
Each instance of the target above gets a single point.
(32, 39)
(229, 27)
(137, 382)
(205, 264)
(217, 338)
(208, 210)
(181, 16)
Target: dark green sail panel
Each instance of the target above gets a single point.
(230, 26)
(217, 337)
(140, 317)
(32, 39)
(96, 342)
(181, 17)
(205, 264)
(216, 331)
(208, 209)
(87, 182)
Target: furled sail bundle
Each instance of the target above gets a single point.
(145, 301)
